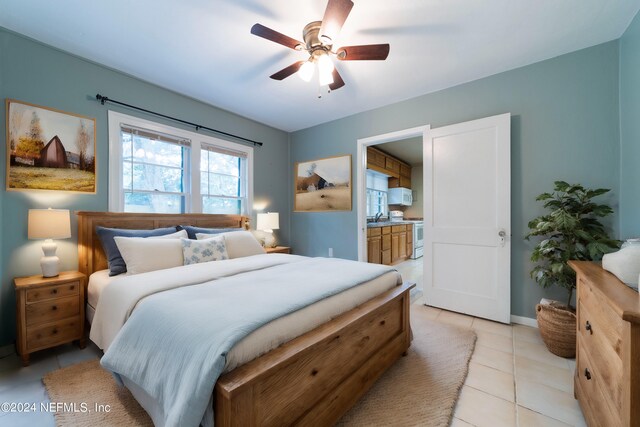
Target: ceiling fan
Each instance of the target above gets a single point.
(318, 39)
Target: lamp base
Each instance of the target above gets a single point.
(49, 263)
(269, 239)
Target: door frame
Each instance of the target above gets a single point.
(361, 176)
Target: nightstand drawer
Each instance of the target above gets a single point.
(48, 311)
(57, 291)
(51, 334)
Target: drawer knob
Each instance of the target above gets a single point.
(55, 291)
(587, 326)
(587, 374)
(72, 287)
(55, 331)
(54, 308)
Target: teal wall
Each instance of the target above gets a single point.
(38, 74)
(564, 125)
(630, 131)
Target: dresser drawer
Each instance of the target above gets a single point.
(591, 384)
(56, 291)
(53, 333)
(592, 338)
(51, 310)
(604, 323)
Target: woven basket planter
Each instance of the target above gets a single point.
(558, 329)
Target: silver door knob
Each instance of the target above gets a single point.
(502, 234)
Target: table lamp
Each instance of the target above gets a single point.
(268, 222)
(49, 224)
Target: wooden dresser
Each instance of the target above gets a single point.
(607, 377)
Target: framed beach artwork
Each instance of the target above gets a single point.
(323, 185)
(49, 149)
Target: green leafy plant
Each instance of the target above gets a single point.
(571, 230)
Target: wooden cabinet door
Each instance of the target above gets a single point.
(374, 157)
(386, 257)
(374, 250)
(402, 245)
(393, 166)
(405, 170)
(395, 247)
(405, 182)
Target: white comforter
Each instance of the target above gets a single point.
(165, 334)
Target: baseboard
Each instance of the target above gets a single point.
(526, 321)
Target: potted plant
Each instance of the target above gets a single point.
(570, 230)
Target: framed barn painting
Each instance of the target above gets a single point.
(323, 185)
(49, 149)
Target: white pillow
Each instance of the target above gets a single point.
(142, 254)
(197, 251)
(182, 234)
(239, 243)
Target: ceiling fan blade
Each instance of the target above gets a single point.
(337, 80)
(364, 52)
(286, 72)
(269, 34)
(334, 17)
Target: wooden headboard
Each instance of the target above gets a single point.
(91, 257)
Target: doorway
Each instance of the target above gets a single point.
(391, 202)
(466, 202)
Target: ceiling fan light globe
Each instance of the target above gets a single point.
(325, 64)
(325, 76)
(306, 71)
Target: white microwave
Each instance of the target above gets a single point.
(400, 196)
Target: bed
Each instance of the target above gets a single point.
(312, 379)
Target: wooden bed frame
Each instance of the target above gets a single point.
(313, 379)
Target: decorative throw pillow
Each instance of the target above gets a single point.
(197, 251)
(191, 230)
(239, 243)
(142, 255)
(111, 251)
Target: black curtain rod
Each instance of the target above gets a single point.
(104, 99)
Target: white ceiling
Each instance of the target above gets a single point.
(203, 48)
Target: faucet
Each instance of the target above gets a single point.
(377, 218)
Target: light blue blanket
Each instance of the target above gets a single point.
(175, 343)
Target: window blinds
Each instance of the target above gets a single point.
(155, 136)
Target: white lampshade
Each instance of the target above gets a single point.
(49, 224)
(268, 221)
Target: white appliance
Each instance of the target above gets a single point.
(395, 216)
(400, 196)
(418, 240)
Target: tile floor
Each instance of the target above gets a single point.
(513, 380)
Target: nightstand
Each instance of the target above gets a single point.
(50, 312)
(278, 250)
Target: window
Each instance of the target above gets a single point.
(160, 169)
(376, 202)
(221, 184)
(154, 171)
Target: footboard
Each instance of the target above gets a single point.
(315, 378)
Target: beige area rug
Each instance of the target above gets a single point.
(421, 389)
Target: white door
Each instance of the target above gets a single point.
(467, 220)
